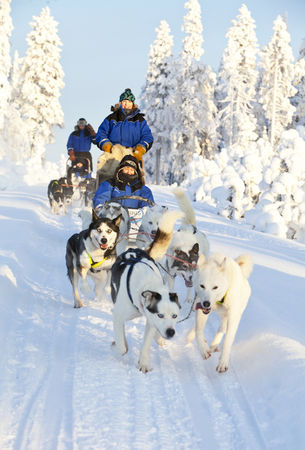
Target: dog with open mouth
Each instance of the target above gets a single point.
(137, 289)
(221, 285)
(92, 252)
(186, 246)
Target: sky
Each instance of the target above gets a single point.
(106, 45)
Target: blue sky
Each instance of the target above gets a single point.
(106, 44)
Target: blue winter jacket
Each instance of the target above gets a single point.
(129, 130)
(108, 191)
(79, 141)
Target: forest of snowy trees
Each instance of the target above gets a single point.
(235, 139)
(29, 91)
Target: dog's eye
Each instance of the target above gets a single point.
(150, 222)
(202, 286)
(174, 316)
(215, 287)
(99, 230)
(109, 231)
(161, 316)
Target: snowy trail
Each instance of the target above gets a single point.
(61, 386)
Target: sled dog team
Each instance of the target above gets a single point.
(142, 278)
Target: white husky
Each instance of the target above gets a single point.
(221, 285)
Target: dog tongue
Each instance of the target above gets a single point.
(103, 246)
(188, 283)
(198, 306)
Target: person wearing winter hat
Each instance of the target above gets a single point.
(126, 181)
(126, 126)
(79, 145)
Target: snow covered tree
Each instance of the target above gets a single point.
(155, 101)
(299, 83)
(281, 208)
(237, 82)
(276, 86)
(15, 130)
(41, 80)
(6, 27)
(194, 130)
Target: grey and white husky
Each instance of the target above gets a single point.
(186, 246)
(92, 252)
(137, 289)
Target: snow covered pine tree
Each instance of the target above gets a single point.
(155, 102)
(277, 81)
(41, 80)
(6, 27)
(298, 100)
(194, 127)
(237, 79)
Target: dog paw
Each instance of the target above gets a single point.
(143, 367)
(214, 348)
(78, 304)
(121, 350)
(205, 354)
(222, 366)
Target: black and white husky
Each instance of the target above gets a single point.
(67, 190)
(92, 252)
(110, 210)
(56, 197)
(137, 289)
(186, 246)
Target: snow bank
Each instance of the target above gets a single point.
(32, 172)
(264, 187)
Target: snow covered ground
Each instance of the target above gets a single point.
(61, 386)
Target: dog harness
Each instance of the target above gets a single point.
(94, 265)
(134, 256)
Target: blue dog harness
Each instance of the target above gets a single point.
(129, 259)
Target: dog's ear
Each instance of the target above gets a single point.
(174, 298)
(151, 300)
(201, 261)
(195, 248)
(223, 264)
(117, 220)
(95, 217)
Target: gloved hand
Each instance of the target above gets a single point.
(107, 147)
(139, 151)
(72, 155)
(91, 130)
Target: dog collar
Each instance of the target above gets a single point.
(220, 302)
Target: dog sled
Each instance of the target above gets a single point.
(80, 179)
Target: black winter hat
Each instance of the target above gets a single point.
(129, 161)
(127, 95)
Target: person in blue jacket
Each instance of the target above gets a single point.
(79, 146)
(126, 181)
(125, 126)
